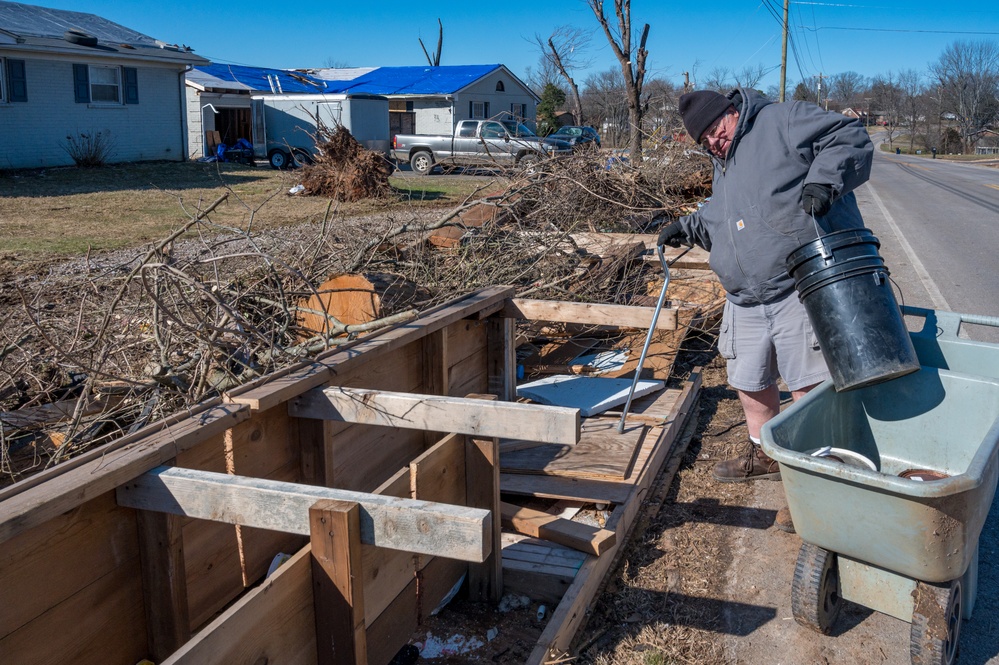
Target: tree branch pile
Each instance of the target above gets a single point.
(105, 345)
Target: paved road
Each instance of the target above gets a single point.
(939, 227)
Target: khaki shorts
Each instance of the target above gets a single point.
(765, 342)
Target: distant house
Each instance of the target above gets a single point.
(65, 74)
(432, 100)
(422, 99)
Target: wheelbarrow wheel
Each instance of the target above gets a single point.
(815, 594)
(936, 623)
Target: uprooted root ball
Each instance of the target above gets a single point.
(344, 170)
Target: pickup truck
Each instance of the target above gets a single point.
(476, 143)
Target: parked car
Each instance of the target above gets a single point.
(576, 136)
(476, 143)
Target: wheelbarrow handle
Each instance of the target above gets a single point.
(947, 324)
(652, 327)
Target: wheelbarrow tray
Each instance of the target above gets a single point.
(932, 419)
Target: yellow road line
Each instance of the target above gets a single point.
(993, 186)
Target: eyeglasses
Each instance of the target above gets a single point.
(711, 133)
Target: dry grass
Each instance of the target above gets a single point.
(69, 211)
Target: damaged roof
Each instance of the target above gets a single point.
(389, 81)
(34, 28)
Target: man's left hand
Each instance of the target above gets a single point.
(816, 199)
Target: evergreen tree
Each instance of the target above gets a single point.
(552, 99)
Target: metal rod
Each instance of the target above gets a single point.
(648, 337)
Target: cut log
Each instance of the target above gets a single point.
(354, 298)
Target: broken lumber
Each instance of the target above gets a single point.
(622, 316)
(537, 524)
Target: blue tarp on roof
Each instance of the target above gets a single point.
(425, 80)
(260, 79)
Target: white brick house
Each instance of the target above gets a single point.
(68, 73)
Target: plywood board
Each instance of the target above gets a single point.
(601, 453)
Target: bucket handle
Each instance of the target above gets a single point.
(826, 252)
(948, 323)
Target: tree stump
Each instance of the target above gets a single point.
(354, 298)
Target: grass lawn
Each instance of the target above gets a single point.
(66, 211)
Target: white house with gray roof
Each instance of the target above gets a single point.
(64, 74)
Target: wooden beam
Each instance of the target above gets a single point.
(576, 535)
(621, 316)
(336, 360)
(435, 413)
(501, 357)
(555, 487)
(401, 524)
(336, 583)
(164, 582)
(104, 472)
(482, 490)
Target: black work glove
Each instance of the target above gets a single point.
(816, 199)
(672, 234)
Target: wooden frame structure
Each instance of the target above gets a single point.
(374, 470)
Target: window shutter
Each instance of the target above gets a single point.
(18, 81)
(131, 85)
(471, 109)
(81, 84)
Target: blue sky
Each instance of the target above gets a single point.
(695, 37)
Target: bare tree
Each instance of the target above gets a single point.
(968, 73)
(604, 97)
(910, 85)
(750, 76)
(887, 98)
(632, 64)
(334, 63)
(564, 50)
(719, 80)
(436, 60)
(847, 88)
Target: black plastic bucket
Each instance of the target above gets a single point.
(843, 284)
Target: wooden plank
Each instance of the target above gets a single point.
(336, 580)
(164, 585)
(386, 572)
(552, 424)
(595, 241)
(571, 611)
(100, 624)
(104, 473)
(482, 490)
(44, 566)
(406, 524)
(554, 487)
(622, 316)
(295, 383)
(395, 626)
(273, 622)
(435, 374)
(502, 358)
(576, 535)
(439, 473)
(601, 454)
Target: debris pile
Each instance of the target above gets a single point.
(103, 347)
(343, 170)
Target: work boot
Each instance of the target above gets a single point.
(783, 520)
(754, 465)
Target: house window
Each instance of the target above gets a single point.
(478, 109)
(105, 85)
(13, 81)
(100, 84)
(518, 111)
(500, 87)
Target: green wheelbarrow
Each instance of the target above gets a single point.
(889, 487)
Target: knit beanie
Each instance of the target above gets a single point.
(701, 108)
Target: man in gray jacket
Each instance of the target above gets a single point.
(781, 173)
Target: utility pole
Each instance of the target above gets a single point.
(818, 94)
(783, 57)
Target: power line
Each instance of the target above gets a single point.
(939, 32)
